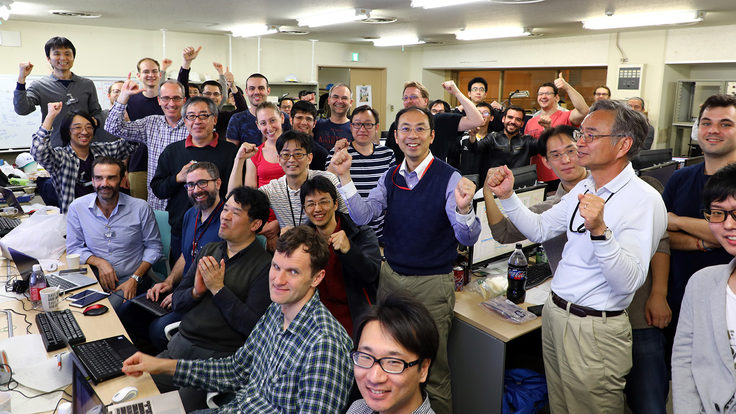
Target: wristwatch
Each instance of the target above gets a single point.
(607, 234)
(138, 278)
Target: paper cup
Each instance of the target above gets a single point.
(72, 261)
(50, 298)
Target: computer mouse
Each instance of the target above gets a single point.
(94, 310)
(125, 394)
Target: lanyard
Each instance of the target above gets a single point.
(291, 208)
(581, 228)
(195, 240)
(420, 177)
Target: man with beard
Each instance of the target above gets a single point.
(114, 233)
(510, 147)
(202, 144)
(200, 227)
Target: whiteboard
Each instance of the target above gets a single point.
(16, 131)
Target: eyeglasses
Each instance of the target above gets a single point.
(388, 364)
(714, 215)
(357, 125)
(79, 128)
(477, 89)
(485, 113)
(554, 156)
(410, 98)
(199, 183)
(201, 117)
(167, 99)
(323, 204)
(297, 155)
(588, 137)
(419, 129)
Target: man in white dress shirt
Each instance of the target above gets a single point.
(613, 221)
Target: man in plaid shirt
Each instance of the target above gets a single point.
(156, 131)
(296, 359)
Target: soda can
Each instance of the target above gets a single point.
(459, 273)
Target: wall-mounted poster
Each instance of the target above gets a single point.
(365, 96)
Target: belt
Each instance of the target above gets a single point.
(582, 311)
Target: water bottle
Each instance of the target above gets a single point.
(37, 283)
(517, 276)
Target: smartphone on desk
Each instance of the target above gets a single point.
(89, 299)
(82, 294)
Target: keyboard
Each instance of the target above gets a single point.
(138, 408)
(65, 285)
(7, 224)
(537, 274)
(103, 359)
(64, 320)
(151, 306)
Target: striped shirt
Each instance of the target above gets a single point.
(305, 368)
(365, 171)
(286, 203)
(360, 407)
(153, 131)
(62, 163)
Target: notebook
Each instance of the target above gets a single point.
(85, 400)
(66, 282)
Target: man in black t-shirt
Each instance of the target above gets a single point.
(446, 125)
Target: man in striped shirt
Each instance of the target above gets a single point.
(370, 160)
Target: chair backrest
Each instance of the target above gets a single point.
(162, 267)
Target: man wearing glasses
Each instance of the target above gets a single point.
(370, 160)
(202, 144)
(428, 208)
(396, 342)
(113, 232)
(155, 131)
(296, 358)
(551, 115)
(693, 245)
(295, 154)
(614, 222)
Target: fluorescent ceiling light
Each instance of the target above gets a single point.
(397, 41)
(644, 19)
(333, 17)
(5, 10)
(252, 30)
(433, 4)
(491, 33)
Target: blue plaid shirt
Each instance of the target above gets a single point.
(305, 368)
(62, 163)
(153, 131)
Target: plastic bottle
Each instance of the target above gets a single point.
(517, 276)
(37, 283)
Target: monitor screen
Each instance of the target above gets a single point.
(84, 399)
(661, 172)
(487, 248)
(648, 158)
(525, 176)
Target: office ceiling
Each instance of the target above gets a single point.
(547, 18)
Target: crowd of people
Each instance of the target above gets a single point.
(311, 266)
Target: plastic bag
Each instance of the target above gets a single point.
(42, 235)
(508, 309)
(488, 287)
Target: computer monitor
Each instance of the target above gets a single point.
(661, 172)
(487, 249)
(648, 158)
(694, 160)
(525, 176)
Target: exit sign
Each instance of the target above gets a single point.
(355, 57)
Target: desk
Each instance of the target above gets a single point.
(94, 327)
(477, 354)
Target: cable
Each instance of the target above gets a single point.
(63, 392)
(12, 388)
(25, 318)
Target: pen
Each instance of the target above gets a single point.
(58, 361)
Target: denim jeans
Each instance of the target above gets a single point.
(647, 384)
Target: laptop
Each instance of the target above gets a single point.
(151, 306)
(66, 282)
(85, 400)
(101, 359)
(7, 224)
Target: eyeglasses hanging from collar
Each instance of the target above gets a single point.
(581, 227)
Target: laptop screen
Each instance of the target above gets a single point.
(23, 262)
(84, 399)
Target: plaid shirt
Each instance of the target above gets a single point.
(153, 131)
(305, 368)
(62, 163)
(360, 407)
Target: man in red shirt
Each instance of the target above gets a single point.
(551, 115)
(351, 275)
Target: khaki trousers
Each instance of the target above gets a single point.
(585, 360)
(437, 294)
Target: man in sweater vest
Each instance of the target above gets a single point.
(428, 210)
